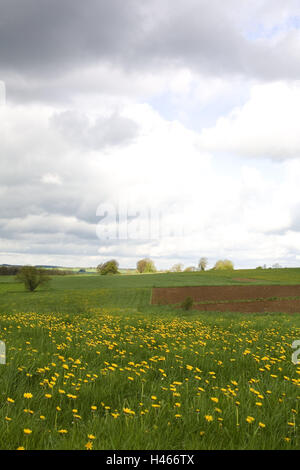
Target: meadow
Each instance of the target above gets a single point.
(92, 365)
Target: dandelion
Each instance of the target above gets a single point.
(10, 400)
(27, 431)
(89, 445)
(209, 418)
(28, 395)
(250, 419)
(261, 425)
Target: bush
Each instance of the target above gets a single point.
(177, 268)
(224, 265)
(145, 265)
(187, 303)
(110, 267)
(32, 277)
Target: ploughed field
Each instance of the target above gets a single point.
(92, 364)
(250, 298)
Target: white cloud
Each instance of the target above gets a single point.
(267, 125)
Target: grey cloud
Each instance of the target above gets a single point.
(43, 40)
(114, 130)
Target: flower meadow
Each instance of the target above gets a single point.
(119, 379)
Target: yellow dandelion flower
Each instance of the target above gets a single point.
(27, 431)
(209, 418)
(27, 395)
(250, 419)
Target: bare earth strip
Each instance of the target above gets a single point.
(175, 295)
(263, 306)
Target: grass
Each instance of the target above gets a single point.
(102, 368)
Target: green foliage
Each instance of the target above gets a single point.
(224, 264)
(110, 267)
(187, 303)
(145, 265)
(202, 265)
(177, 268)
(32, 277)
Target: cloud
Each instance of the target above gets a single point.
(52, 50)
(267, 125)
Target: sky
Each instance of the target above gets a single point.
(168, 129)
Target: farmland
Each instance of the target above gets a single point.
(92, 364)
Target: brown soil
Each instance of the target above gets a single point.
(174, 295)
(283, 306)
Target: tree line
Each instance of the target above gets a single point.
(146, 265)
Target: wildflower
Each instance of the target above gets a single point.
(261, 425)
(28, 395)
(91, 436)
(209, 418)
(128, 411)
(21, 448)
(94, 407)
(10, 400)
(27, 431)
(250, 419)
(214, 399)
(89, 445)
(62, 431)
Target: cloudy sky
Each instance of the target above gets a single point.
(162, 128)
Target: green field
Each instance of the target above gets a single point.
(101, 368)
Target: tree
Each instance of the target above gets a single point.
(177, 268)
(32, 277)
(145, 265)
(224, 264)
(189, 269)
(202, 265)
(110, 267)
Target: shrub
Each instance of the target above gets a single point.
(187, 303)
(145, 265)
(110, 267)
(224, 265)
(177, 268)
(32, 277)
